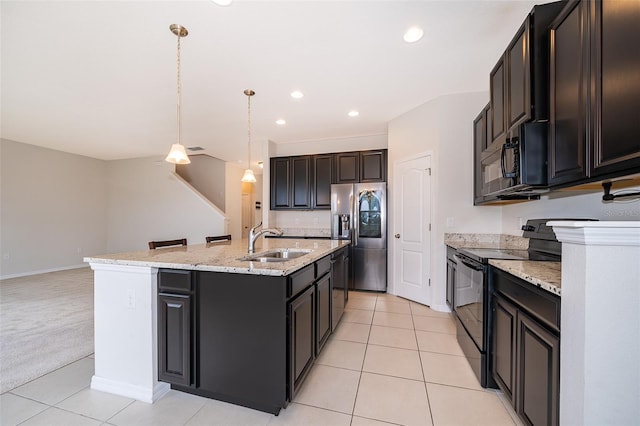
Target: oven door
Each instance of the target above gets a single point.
(469, 297)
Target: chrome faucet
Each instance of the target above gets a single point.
(253, 235)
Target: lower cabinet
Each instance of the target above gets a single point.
(323, 311)
(526, 348)
(301, 337)
(174, 338)
(242, 338)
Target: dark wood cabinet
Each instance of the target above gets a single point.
(280, 171)
(595, 107)
(497, 119)
(518, 99)
(615, 64)
(373, 166)
(525, 355)
(175, 327)
(347, 166)
(323, 311)
(174, 339)
(568, 103)
(322, 177)
(480, 139)
(291, 179)
(538, 372)
(301, 182)
(504, 346)
(301, 337)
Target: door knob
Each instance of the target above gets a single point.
(397, 235)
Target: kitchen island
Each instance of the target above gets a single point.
(206, 321)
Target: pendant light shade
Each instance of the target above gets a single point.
(248, 173)
(248, 176)
(178, 155)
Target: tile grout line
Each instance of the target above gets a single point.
(424, 379)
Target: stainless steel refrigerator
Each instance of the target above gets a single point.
(359, 214)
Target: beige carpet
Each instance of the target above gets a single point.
(46, 322)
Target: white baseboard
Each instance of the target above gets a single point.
(128, 390)
(43, 271)
(441, 308)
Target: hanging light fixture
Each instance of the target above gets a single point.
(178, 155)
(248, 174)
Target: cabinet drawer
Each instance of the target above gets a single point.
(323, 266)
(300, 280)
(538, 303)
(175, 281)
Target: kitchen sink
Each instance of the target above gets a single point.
(280, 255)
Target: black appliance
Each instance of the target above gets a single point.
(472, 292)
(518, 168)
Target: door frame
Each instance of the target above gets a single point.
(391, 230)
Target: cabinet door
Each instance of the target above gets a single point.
(322, 175)
(301, 338)
(479, 145)
(280, 181)
(538, 373)
(174, 339)
(568, 101)
(338, 282)
(519, 77)
(373, 166)
(498, 113)
(323, 311)
(615, 70)
(504, 345)
(347, 167)
(301, 182)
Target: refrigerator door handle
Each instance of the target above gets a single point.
(354, 209)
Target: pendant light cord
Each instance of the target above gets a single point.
(179, 95)
(249, 132)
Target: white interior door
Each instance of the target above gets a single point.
(412, 238)
(247, 216)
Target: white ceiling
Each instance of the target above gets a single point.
(98, 78)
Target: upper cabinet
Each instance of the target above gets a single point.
(519, 82)
(291, 179)
(304, 182)
(595, 97)
(361, 166)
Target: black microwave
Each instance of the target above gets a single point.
(519, 166)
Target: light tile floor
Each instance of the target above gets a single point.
(390, 361)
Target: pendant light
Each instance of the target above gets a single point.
(177, 154)
(248, 174)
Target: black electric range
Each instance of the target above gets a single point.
(472, 292)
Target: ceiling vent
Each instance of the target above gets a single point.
(195, 148)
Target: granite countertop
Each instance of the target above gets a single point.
(223, 256)
(501, 241)
(545, 275)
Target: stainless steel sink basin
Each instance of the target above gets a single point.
(279, 255)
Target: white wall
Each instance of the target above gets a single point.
(147, 201)
(207, 175)
(569, 205)
(443, 127)
(53, 209)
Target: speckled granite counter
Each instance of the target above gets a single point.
(223, 257)
(486, 241)
(545, 275)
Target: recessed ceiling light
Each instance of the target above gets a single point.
(297, 94)
(413, 34)
(353, 113)
(222, 2)
(281, 122)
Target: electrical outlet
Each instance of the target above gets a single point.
(79, 250)
(131, 299)
(451, 222)
(6, 256)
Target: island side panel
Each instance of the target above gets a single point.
(242, 345)
(125, 326)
